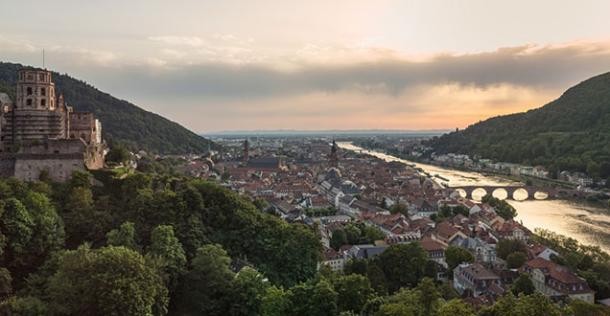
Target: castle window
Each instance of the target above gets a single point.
(43, 91)
(29, 91)
(28, 102)
(43, 102)
(41, 77)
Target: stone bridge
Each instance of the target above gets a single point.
(510, 192)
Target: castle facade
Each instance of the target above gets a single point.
(40, 133)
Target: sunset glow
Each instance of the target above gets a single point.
(236, 65)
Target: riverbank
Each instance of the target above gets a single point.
(593, 199)
(587, 224)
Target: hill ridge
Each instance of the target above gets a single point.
(571, 133)
(122, 121)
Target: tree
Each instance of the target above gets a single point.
(403, 265)
(275, 302)
(523, 285)
(338, 239)
(506, 247)
(353, 291)
(124, 236)
(455, 307)
(250, 286)
(206, 289)
(399, 208)
(118, 154)
(372, 233)
(525, 305)
(352, 234)
(6, 281)
(503, 209)
(27, 306)
(455, 255)
(17, 225)
(516, 260)
(48, 235)
(166, 249)
(428, 295)
(87, 282)
(82, 221)
(375, 274)
(582, 308)
(405, 302)
(313, 299)
(356, 266)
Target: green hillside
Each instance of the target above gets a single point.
(122, 121)
(570, 133)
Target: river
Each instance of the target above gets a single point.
(587, 224)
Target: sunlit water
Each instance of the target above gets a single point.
(587, 224)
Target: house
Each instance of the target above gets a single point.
(554, 280)
(435, 250)
(333, 259)
(446, 232)
(475, 280)
(482, 251)
(366, 251)
(512, 230)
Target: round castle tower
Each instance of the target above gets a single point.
(35, 90)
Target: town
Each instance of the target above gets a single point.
(361, 205)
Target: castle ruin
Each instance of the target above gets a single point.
(40, 133)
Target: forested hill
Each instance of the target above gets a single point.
(122, 121)
(570, 133)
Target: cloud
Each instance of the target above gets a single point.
(225, 84)
(541, 67)
(192, 41)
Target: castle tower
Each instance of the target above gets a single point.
(35, 90)
(334, 159)
(246, 150)
(40, 133)
(37, 113)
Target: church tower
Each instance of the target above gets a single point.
(334, 159)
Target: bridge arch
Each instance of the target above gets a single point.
(500, 193)
(478, 194)
(520, 194)
(541, 195)
(462, 192)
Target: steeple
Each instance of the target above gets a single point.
(334, 159)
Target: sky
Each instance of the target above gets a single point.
(317, 64)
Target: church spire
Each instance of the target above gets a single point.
(334, 159)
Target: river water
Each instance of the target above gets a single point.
(587, 224)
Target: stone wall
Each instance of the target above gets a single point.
(58, 168)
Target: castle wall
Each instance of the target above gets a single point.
(25, 125)
(83, 125)
(59, 168)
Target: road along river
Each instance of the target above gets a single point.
(589, 225)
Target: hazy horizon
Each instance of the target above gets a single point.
(239, 65)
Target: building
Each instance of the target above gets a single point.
(41, 134)
(474, 279)
(555, 280)
(333, 259)
(269, 164)
(333, 157)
